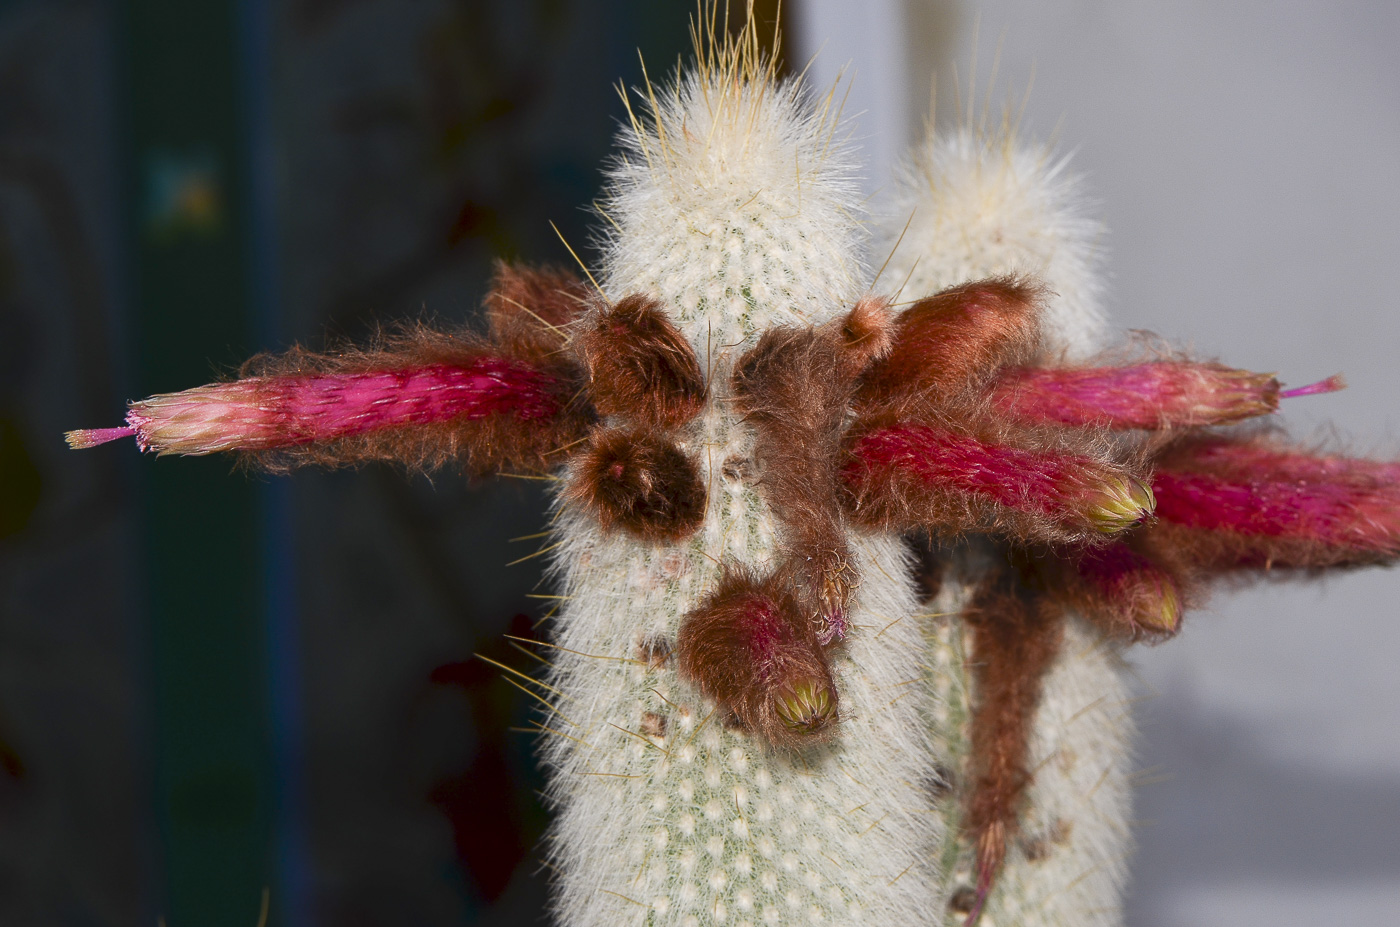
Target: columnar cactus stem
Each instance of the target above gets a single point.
(989, 206)
(734, 209)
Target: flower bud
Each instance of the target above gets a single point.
(750, 649)
(1119, 503)
(1128, 590)
(640, 482)
(640, 367)
(955, 339)
(806, 707)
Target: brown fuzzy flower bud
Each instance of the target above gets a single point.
(867, 333)
(1131, 589)
(641, 367)
(640, 482)
(749, 648)
(957, 338)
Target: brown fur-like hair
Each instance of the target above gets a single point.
(491, 442)
(638, 481)
(866, 335)
(749, 648)
(528, 310)
(794, 387)
(957, 339)
(639, 366)
(1015, 637)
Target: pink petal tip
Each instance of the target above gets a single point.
(91, 437)
(1330, 385)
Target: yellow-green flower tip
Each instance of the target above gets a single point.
(1165, 619)
(1120, 504)
(807, 707)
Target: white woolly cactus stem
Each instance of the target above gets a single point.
(987, 205)
(733, 206)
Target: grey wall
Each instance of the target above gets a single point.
(1247, 161)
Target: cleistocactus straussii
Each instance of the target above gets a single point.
(756, 715)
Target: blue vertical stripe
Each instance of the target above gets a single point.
(292, 901)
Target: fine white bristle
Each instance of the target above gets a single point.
(734, 201)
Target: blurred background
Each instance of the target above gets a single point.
(215, 684)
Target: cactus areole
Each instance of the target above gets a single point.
(754, 719)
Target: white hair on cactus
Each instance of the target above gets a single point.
(1070, 863)
(985, 205)
(736, 203)
(734, 209)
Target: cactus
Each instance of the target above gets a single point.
(751, 718)
(735, 207)
(983, 204)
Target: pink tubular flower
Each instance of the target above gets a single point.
(263, 413)
(910, 474)
(1330, 510)
(1272, 460)
(1160, 394)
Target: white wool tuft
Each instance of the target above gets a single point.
(987, 206)
(737, 206)
(736, 211)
